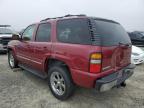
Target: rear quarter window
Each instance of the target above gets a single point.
(74, 31)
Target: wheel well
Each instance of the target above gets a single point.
(9, 49)
(50, 62)
(13, 51)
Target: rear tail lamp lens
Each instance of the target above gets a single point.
(95, 62)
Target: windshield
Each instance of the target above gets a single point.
(111, 33)
(5, 31)
(142, 34)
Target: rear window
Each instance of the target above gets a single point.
(74, 31)
(111, 33)
(142, 34)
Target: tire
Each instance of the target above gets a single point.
(60, 82)
(11, 60)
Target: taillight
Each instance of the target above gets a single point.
(95, 62)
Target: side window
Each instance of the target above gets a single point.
(28, 32)
(135, 36)
(132, 36)
(73, 31)
(139, 36)
(43, 33)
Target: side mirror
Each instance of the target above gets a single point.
(26, 39)
(15, 37)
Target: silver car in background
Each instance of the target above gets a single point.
(6, 32)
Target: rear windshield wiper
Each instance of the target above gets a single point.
(125, 44)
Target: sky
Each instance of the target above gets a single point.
(21, 13)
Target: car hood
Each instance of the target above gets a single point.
(6, 35)
(137, 50)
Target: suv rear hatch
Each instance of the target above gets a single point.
(115, 42)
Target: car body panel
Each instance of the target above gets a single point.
(116, 57)
(75, 56)
(6, 35)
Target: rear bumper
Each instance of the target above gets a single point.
(114, 79)
(90, 80)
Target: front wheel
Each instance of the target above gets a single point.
(11, 60)
(60, 82)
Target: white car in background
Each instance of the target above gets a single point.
(137, 56)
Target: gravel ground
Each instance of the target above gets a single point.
(21, 89)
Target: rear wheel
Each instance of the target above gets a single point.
(11, 60)
(60, 82)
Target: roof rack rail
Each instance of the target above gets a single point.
(69, 15)
(5, 25)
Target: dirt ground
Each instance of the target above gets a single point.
(21, 89)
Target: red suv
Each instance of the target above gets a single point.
(74, 50)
